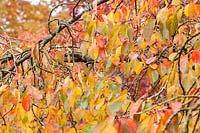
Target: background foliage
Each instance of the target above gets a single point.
(100, 66)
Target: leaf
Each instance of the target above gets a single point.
(190, 10)
(93, 51)
(184, 63)
(91, 28)
(100, 42)
(153, 66)
(102, 53)
(172, 24)
(87, 129)
(154, 75)
(195, 56)
(163, 15)
(172, 56)
(138, 67)
(150, 60)
(108, 129)
(115, 60)
(187, 81)
(148, 29)
(3, 88)
(114, 107)
(176, 2)
(164, 31)
(125, 125)
(135, 107)
(176, 106)
(26, 102)
(36, 93)
(59, 56)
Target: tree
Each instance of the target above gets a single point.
(100, 66)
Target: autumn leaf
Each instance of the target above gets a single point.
(176, 106)
(125, 125)
(190, 10)
(195, 56)
(150, 60)
(148, 29)
(3, 88)
(172, 24)
(26, 102)
(136, 106)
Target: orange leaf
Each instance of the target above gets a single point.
(124, 10)
(26, 102)
(11, 62)
(195, 56)
(124, 125)
(100, 42)
(115, 60)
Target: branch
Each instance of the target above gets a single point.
(17, 63)
(169, 100)
(47, 39)
(78, 57)
(44, 41)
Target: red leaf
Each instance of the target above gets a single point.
(195, 56)
(26, 102)
(102, 53)
(124, 125)
(131, 124)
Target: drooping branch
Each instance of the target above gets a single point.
(69, 22)
(47, 39)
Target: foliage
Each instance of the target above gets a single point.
(100, 66)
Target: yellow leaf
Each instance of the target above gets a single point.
(3, 88)
(118, 15)
(115, 60)
(94, 51)
(92, 28)
(77, 91)
(176, 2)
(190, 10)
(143, 45)
(172, 24)
(172, 56)
(72, 130)
(108, 129)
(118, 51)
(138, 67)
(179, 14)
(110, 16)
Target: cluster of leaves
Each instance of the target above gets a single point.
(100, 66)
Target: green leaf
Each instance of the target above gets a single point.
(114, 107)
(155, 76)
(87, 129)
(148, 29)
(124, 29)
(99, 84)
